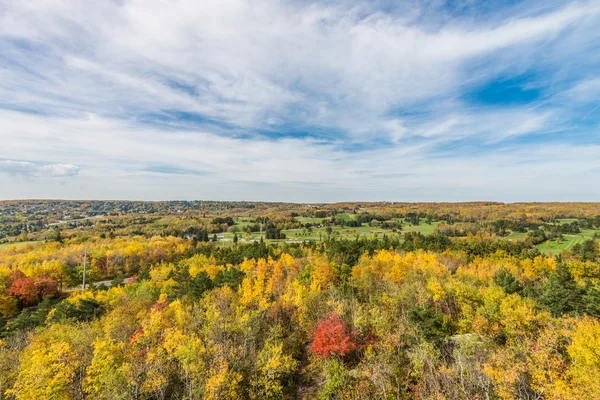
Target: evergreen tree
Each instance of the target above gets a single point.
(508, 282)
(561, 294)
(587, 251)
(430, 323)
(591, 299)
(198, 285)
(232, 277)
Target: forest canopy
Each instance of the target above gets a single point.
(482, 307)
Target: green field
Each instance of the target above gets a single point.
(16, 244)
(550, 248)
(424, 228)
(305, 220)
(553, 247)
(345, 217)
(516, 236)
(243, 222)
(320, 233)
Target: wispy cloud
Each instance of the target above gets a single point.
(28, 169)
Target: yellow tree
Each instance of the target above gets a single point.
(105, 375)
(273, 367)
(585, 354)
(51, 365)
(9, 366)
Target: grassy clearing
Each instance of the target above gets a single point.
(243, 222)
(550, 248)
(350, 232)
(425, 229)
(345, 217)
(554, 247)
(516, 236)
(17, 244)
(305, 220)
(320, 233)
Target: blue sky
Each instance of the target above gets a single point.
(307, 101)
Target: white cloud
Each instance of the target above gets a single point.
(489, 126)
(58, 170)
(116, 157)
(29, 169)
(16, 167)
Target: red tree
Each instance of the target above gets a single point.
(331, 338)
(46, 287)
(24, 289)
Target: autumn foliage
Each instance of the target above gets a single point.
(46, 287)
(24, 289)
(30, 290)
(403, 316)
(332, 339)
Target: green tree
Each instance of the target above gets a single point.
(506, 280)
(591, 299)
(561, 294)
(430, 323)
(56, 235)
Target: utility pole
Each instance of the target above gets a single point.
(84, 269)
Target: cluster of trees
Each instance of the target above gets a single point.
(587, 251)
(30, 273)
(409, 317)
(457, 229)
(590, 223)
(272, 232)
(503, 226)
(571, 228)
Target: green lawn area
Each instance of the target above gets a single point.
(345, 217)
(425, 229)
(350, 232)
(550, 248)
(339, 232)
(17, 244)
(554, 247)
(305, 220)
(516, 236)
(243, 222)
